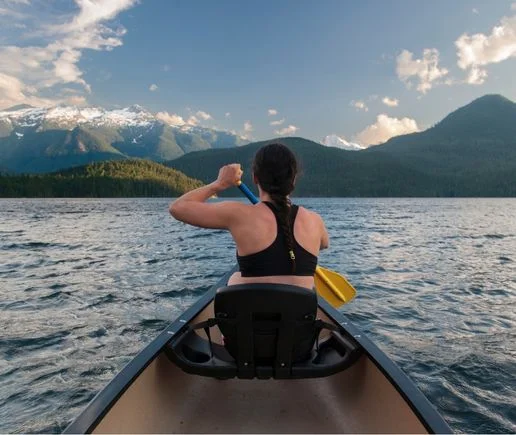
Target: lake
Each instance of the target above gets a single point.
(86, 283)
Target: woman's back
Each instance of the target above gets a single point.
(275, 242)
(263, 254)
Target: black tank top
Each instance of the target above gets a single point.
(275, 259)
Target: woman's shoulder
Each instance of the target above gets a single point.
(309, 215)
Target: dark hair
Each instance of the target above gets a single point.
(275, 168)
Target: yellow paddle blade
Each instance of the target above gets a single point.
(333, 287)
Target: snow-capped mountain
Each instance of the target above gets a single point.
(336, 141)
(45, 139)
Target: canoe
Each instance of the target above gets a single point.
(260, 359)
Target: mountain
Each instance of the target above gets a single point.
(324, 171)
(471, 152)
(47, 139)
(105, 179)
(482, 133)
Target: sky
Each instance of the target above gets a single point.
(334, 71)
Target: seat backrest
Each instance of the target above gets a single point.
(267, 324)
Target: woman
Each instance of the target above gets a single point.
(277, 242)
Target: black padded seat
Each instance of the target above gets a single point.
(270, 330)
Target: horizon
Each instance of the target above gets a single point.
(247, 78)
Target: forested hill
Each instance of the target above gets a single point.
(124, 178)
(325, 171)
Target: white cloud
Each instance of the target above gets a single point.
(13, 91)
(384, 128)
(171, 119)
(55, 61)
(153, 87)
(391, 102)
(475, 11)
(203, 115)
(248, 127)
(287, 131)
(479, 50)
(425, 71)
(278, 122)
(272, 112)
(228, 115)
(333, 140)
(76, 100)
(359, 105)
(12, 14)
(192, 121)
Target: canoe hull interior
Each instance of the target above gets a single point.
(153, 395)
(164, 399)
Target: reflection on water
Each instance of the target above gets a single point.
(87, 283)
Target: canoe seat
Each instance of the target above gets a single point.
(270, 331)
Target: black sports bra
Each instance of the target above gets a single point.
(275, 259)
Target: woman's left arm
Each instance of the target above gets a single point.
(192, 209)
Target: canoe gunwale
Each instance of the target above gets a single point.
(100, 405)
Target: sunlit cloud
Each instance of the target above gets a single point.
(56, 61)
(287, 131)
(278, 122)
(203, 115)
(425, 72)
(153, 87)
(192, 121)
(477, 51)
(359, 105)
(391, 102)
(384, 128)
(248, 127)
(272, 112)
(171, 119)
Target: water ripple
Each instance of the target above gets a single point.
(86, 283)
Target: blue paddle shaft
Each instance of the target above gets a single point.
(248, 193)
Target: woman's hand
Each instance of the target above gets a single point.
(229, 176)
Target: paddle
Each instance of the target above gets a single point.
(330, 285)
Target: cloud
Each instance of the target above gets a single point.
(278, 122)
(166, 68)
(12, 14)
(360, 105)
(248, 127)
(76, 100)
(153, 87)
(14, 91)
(192, 121)
(513, 6)
(475, 11)
(287, 131)
(171, 119)
(391, 102)
(335, 141)
(227, 115)
(272, 112)
(479, 50)
(55, 61)
(425, 71)
(384, 128)
(203, 115)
